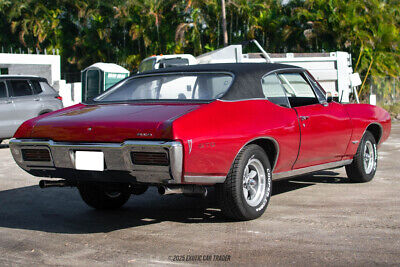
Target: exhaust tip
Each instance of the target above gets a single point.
(161, 190)
(42, 184)
(49, 183)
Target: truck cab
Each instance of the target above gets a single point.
(164, 61)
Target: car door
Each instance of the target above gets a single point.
(325, 128)
(7, 123)
(27, 105)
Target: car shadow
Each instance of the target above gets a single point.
(61, 210)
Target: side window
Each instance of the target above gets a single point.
(298, 90)
(37, 89)
(317, 88)
(3, 90)
(20, 88)
(273, 90)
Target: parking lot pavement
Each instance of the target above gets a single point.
(311, 220)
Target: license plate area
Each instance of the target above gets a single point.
(89, 160)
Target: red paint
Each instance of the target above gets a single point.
(363, 115)
(111, 123)
(325, 134)
(230, 125)
(218, 130)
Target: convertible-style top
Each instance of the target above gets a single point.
(246, 84)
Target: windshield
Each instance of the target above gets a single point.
(190, 86)
(172, 62)
(147, 65)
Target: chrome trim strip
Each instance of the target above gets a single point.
(116, 155)
(260, 138)
(204, 179)
(282, 175)
(380, 127)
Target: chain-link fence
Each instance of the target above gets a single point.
(387, 92)
(386, 89)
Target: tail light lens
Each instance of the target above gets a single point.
(35, 154)
(59, 98)
(147, 158)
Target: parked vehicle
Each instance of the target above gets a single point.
(233, 126)
(166, 61)
(332, 70)
(22, 98)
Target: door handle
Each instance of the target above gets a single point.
(36, 99)
(303, 118)
(9, 101)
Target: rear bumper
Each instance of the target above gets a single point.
(117, 157)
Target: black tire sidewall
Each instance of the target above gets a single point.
(248, 211)
(367, 137)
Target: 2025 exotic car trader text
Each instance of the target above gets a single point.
(233, 126)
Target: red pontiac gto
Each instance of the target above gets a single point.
(181, 129)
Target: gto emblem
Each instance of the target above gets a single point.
(89, 129)
(207, 145)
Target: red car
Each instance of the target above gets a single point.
(233, 126)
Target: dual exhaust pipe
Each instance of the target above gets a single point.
(189, 190)
(50, 183)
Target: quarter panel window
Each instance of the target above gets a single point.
(3, 90)
(37, 89)
(20, 88)
(298, 90)
(273, 90)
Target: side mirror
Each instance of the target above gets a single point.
(329, 97)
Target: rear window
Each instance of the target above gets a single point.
(173, 62)
(3, 90)
(47, 88)
(180, 87)
(36, 87)
(21, 88)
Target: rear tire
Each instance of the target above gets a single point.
(247, 189)
(104, 196)
(363, 167)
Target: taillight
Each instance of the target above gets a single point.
(59, 98)
(35, 154)
(149, 158)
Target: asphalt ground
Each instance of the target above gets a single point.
(320, 219)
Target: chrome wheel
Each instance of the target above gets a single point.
(369, 157)
(254, 182)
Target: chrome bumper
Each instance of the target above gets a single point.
(116, 155)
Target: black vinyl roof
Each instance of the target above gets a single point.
(246, 84)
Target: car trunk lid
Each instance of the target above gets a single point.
(111, 122)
